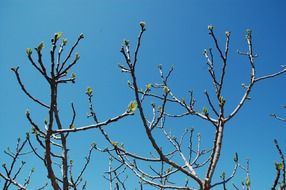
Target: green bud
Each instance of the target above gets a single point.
(40, 47)
(126, 42)
(28, 51)
(89, 91)
(27, 113)
(205, 111)
(247, 182)
(132, 106)
(210, 27)
(65, 41)
(34, 131)
(67, 71)
(166, 89)
(77, 56)
(221, 100)
(58, 35)
(115, 143)
(93, 145)
(278, 166)
(149, 86)
(227, 33)
(142, 24)
(72, 126)
(73, 76)
(223, 175)
(160, 109)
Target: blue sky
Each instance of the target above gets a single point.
(176, 35)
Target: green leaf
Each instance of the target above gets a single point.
(58, 35)
(89, 91)
(132, 106)
(279, 166)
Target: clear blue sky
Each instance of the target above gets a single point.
(176, 35)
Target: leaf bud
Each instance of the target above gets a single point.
(142, 25)
(210, 27)
(28, 51)
(81, 36)
(58, 35)
(77, 56)
(40, 47)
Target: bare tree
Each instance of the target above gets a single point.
(182, 158)
(51, 137)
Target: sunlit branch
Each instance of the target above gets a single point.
(98, 125)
